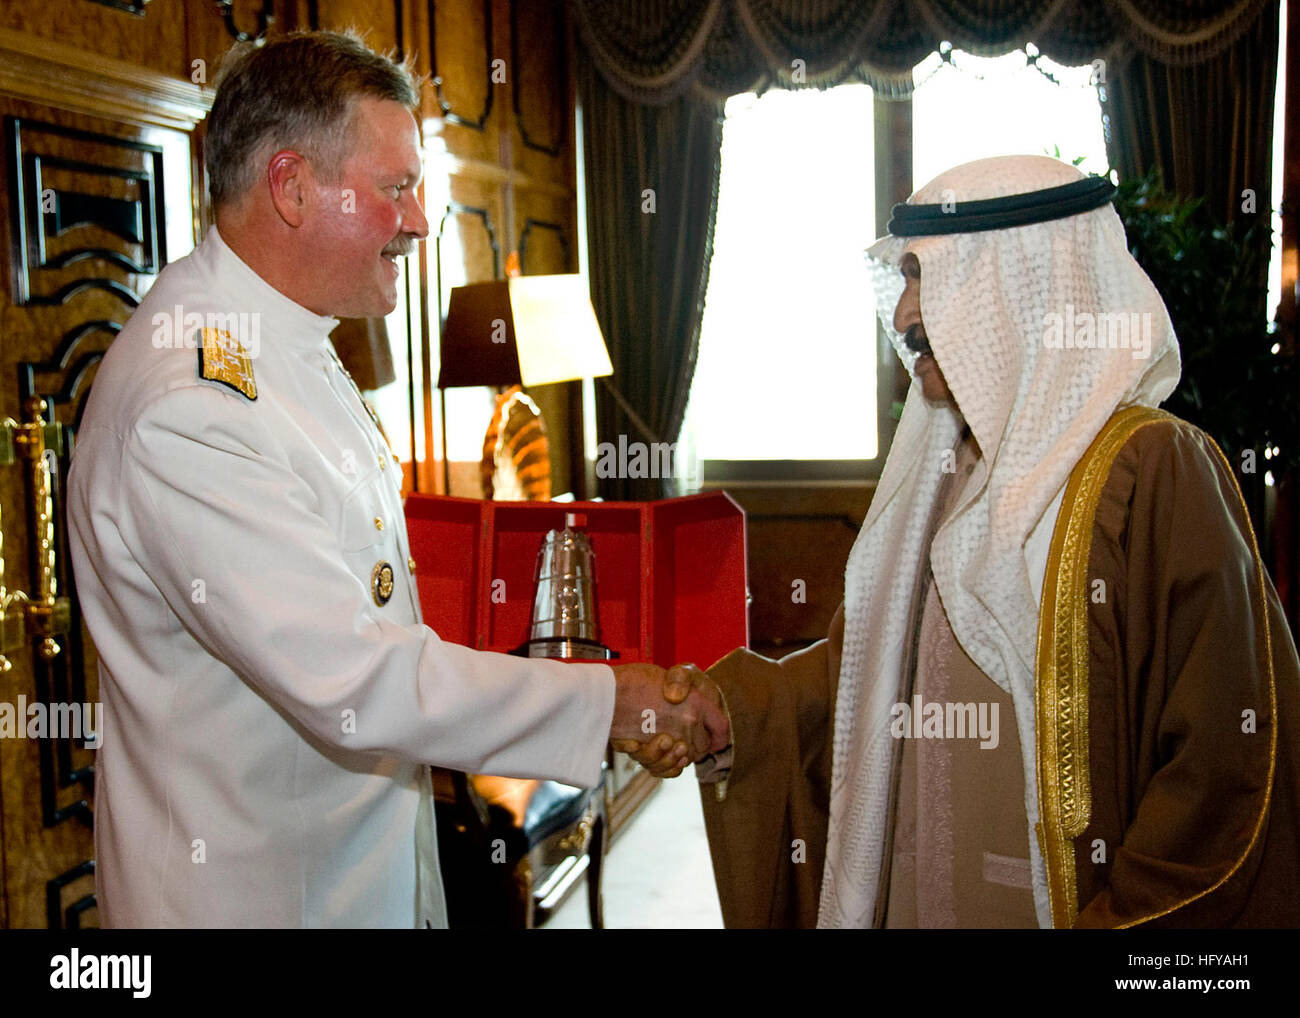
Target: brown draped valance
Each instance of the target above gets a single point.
(655, 51)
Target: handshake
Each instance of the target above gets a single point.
(666, 719)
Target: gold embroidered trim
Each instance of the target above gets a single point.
(1061, 665)
(1061, 687)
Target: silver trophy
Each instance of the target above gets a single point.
(564, 609)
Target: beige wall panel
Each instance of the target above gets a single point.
(154, 39)
(545, 232)
(540, 121)
(461, 50)
(377, 21)
(797, 533)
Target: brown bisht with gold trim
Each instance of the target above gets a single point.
(1167, 715)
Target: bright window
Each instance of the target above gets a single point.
(787, 361)
(1279, 133)
(974, 107)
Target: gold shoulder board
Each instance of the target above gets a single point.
(222, 358)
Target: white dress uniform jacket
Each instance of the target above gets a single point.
(268, 724)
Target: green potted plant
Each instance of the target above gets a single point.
(1238, 384)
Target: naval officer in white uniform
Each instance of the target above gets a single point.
(272, 701)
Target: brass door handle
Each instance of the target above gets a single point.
(42, 613)
(13, 620)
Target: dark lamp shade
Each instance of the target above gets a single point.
(527, 330)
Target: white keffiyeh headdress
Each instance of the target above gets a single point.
(1034, 396)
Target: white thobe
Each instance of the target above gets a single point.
(268, 725)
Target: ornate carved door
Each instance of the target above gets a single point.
(98, 194)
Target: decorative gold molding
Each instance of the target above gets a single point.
(1061, 665)
(55, 74)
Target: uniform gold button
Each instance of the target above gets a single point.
(379, 524)
(383, 463)
(396, 459)
(381, 583)
(410, 564)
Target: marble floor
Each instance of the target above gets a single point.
(658, 874)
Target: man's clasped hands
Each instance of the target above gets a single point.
(667, 718)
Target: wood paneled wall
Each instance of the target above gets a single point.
(799, 538)
(164, 37)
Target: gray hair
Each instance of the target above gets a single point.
(296, 93)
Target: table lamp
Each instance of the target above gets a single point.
(525, 330)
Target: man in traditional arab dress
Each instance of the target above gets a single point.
(1061, 690)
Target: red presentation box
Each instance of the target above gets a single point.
(670, 575)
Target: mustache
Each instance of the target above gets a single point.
(916, 340)
(400, 248)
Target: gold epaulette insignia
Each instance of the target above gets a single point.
(222, 358)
